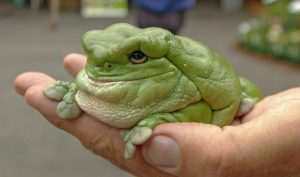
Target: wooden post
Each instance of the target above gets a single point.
(54, 13)
(35, 5)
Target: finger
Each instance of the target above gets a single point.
(194, 151)
(87, 129)
(28, 79)
(84, 127)
(74, 62)
(99, 138)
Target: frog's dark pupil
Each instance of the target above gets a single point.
(137, 55)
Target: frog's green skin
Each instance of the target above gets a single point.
(179, 81)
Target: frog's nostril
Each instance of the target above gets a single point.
(108, 66)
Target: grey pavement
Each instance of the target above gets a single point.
(31, 147)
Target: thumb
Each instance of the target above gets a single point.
(188, 149)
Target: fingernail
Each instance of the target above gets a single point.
(163, 151)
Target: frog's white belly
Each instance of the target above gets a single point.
(117, 115)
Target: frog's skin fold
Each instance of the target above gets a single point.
(140, 78)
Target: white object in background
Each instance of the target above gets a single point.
(232, 5)
(104, 8)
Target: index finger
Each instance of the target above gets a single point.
(28, 79)
(74, 62)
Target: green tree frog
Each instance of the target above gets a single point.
(139, 78)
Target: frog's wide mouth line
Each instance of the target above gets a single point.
(105, 80)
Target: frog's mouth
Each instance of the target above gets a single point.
(129, 78)
(129, 74)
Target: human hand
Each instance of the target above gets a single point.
(265, 142)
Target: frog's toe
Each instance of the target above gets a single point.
(138, 135)
(133, 137)
(129, 150)
(68, 110)
(142, 135)
(246, 105)
(55, 92)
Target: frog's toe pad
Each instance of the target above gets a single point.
(55, 92)
(133, 137)
(246, 105)
(68, 110)
(142, 135)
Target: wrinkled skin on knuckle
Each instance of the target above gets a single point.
(113, 152)
(99, 145)
(105, 149)
(106, 145)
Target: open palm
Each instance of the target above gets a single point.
(265, 142)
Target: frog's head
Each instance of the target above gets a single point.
(129, 73)
(123, 52)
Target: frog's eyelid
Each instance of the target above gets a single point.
(144, 58)
(133, 44)
(129, 52)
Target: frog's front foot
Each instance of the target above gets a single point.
(245, 106)
(64, 93)
(135, 136)
(139, 134)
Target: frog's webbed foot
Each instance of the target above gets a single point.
(64, 93)
(139, 134)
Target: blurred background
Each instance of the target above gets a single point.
(254, 36)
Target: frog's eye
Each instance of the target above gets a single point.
(138, 57)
